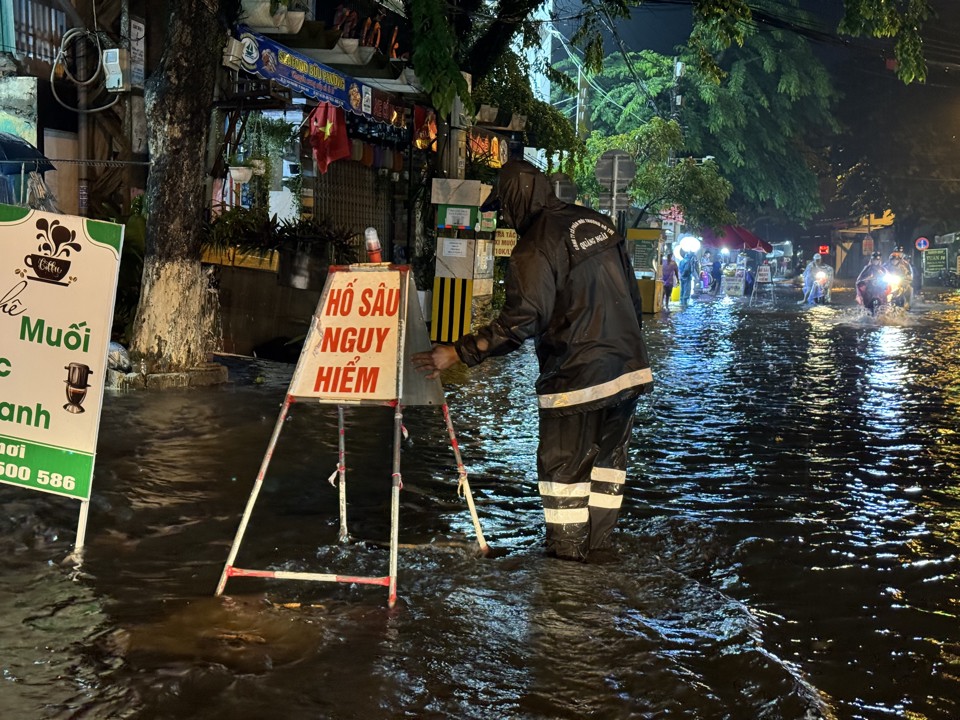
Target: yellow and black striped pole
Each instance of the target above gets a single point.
(452, 309)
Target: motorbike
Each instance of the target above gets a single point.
(899, 288)
(818, 291)
(883, 288)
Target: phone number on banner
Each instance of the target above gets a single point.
(44, 468)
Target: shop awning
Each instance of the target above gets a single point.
(735, 237)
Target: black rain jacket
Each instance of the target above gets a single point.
(571, 287)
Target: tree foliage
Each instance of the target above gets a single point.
(631, 89)
(471, 35)
(768, 123)
(661, 182)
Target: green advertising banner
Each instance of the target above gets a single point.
(56, 311)
(934, 261)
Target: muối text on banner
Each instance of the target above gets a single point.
(59, 279)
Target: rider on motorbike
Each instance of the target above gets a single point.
(898, 265)
(817, 281)
(809, 273)
(870, 284)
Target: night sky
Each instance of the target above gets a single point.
(911, 131)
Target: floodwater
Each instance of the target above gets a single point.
(788, 546)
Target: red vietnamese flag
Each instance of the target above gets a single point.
(328, 135)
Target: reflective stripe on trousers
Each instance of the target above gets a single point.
(581, 465)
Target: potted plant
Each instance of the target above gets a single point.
(258, 165)
(241, 173)
(264, 13)
(265, 141)
(240, 231)
(308, 247)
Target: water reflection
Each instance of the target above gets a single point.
(788, 547)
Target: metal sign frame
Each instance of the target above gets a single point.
(410, 336)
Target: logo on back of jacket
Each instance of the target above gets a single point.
(587, 232)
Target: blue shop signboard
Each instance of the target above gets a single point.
(272, 61)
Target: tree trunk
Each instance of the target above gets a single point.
(177, 323)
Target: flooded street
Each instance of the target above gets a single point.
(788, 547)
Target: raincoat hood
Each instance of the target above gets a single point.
(522, 192)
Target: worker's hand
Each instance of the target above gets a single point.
(433, 361)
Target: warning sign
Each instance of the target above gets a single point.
(351, 351)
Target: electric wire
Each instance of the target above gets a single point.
(608, 21)
(69, 37)
(590, 80)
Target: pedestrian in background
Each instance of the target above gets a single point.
(670, 274)
(716, 275)
(688, 270)
(571, 288)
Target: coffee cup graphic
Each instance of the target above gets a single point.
(47, 268)
(77, 376)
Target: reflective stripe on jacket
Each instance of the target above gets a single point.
(571, 287)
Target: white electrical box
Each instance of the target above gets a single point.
(116, 68)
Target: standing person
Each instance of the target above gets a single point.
(716, 275)
(704, 264)
(670, 274)
(571, 288)
(687, 267)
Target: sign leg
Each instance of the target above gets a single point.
(395, 502)
(464, 483)
(81, 527)
(342, 468)
(252, 500)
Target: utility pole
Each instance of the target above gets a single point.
(581, 117)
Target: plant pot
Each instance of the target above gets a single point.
(256, 13)
(301, 270)
(293, 21)
(241, 173)
(233, 54)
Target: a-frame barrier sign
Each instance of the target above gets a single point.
(363, 334)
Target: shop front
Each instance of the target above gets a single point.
(348, 167)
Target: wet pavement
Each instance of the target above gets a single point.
(788, 546)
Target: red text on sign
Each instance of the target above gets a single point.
(346, 380)
(351, 339)
(381, 302)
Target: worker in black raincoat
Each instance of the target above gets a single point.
(572, 289)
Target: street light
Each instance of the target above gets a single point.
(688, 243)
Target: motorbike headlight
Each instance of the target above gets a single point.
(821, 276)
(892, 280)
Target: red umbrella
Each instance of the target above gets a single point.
(735, 237)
